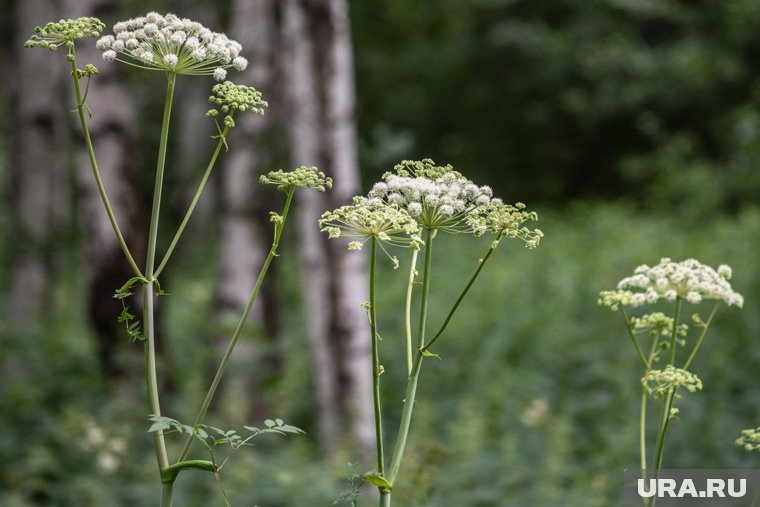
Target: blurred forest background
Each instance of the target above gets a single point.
(631, 126)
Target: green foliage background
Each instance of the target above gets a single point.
(632, 127)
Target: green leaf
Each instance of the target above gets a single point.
(427, 353)
(378, 480)
(269, 423)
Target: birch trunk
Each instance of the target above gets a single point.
(246, 231)
(38, 179)
(324, 134)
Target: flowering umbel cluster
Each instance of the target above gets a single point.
(419, 195)
(661, 382)
(64, 31)
(304, 177)
(689, 280)
(171, 44)
(365, 219)
(438, 197)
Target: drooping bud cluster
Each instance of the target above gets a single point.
(171, 44)
(364, 219)
(64, 31)
(230, 97)
(689, 279)
(750, 439)
(660, 382)
(304, 177)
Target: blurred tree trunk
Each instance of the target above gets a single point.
(38, 181)
(245, 228)
(112, 128)
(324, 134)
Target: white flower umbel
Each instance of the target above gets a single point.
(438, 197)
(689, 280)
(172, 44)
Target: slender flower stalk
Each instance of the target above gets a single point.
(287, 182)
(77, 74)
(408, 309)
(240, 326)
(148, 289)
(377, 367)
(193, 203)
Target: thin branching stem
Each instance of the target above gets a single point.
(701, 337)
(408, 310)
(376, 368)
(241, 324)
(481, 264)
(668, 404)
(193, 203)
(96, 171)
(647, 364)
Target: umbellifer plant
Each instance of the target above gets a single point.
(175, 46)
(408, 209)
(657, 337)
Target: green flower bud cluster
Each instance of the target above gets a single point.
(657, 323)
(230, 97)
(660, 382)
(64, 31)
(305, 177)
(750, 439)
(505, 220)
(364, 220)
(88, 71)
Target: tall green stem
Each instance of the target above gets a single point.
(414, 374)
(406, 418)
(238, 330)
(429, 234)
(376, 372)
(167, 490)
(148, 310)
(194, 202)
(644, 399)
(385, 499)
(96, 171)
(668, 405)
(408, 310)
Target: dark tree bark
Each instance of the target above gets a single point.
(38, 185)
(322, 95)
